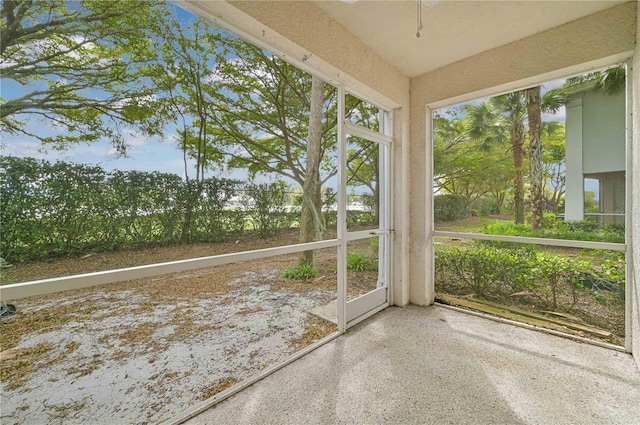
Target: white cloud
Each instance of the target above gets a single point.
(135, 138)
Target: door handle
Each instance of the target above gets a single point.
(381, 232)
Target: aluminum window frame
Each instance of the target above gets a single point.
(625, 247)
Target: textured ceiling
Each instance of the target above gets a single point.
(453, 29)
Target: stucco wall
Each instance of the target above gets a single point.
(635, 204)
(336, 50)
(603, 135)
(607, 34)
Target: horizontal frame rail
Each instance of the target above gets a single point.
(58, 284)
(536, 241)
(365, 133)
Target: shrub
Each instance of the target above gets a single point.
(266, 205)
(360, 217)
(616, 229)
(300, 272)
(357, 262)
(483, 206)
(553, 280)
(549, 221)
(62, 209)
(450, 207)
(503, 228)
(582, 226)
(211, 222)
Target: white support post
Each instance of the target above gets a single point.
(629, 179)
(342, 212)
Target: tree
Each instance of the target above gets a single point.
(311, 224)
(534, 112)
(610, 81)
(78, 66)
(187, 51)
(275, 118)
(462, 166)
(553, 160)
(536, 104)
(501, 121)
(363, 156)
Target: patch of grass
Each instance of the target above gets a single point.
(357, 262)
(62, 411)
(71, 347)
(300, 272)
(218, 387)
(314, 330)
(85, 369)
(15, 373)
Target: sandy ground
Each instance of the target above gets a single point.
(124, 354)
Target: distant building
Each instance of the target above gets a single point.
(595, 149)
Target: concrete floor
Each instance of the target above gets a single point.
(437, 366)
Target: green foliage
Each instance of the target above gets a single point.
(549, 221)
(61, 53)
(483, 206)
(266, 205)
(554, 229)
(300, 272)
(357, 262)
(360, 217)
(62, 209)
(554, 281)
(504, 228)
(450, 207)
(375, 245)
(616, 229)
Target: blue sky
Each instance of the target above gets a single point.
(144, 153)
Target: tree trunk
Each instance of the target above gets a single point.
(311, 225)
(534, 113)
(517, 140)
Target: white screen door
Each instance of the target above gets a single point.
(364, 222)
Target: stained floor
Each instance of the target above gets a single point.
(433, 365)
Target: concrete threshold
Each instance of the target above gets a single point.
(433, 365)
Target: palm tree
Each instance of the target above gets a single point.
(536, 104)
(501, 121)
(534, 113)
(610, 81)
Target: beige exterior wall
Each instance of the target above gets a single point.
(635, 201)
(596, 39)
(335, 51)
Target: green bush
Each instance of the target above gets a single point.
(63, 209)
(358, 262)
(360, 217)
(553, 280)
(211, 223)
(483, 206)
(616, 229)
(450, 207)
(266, 205)
(300, 272)
(504, 228)
(549, 221)
(583, 231)
(582, 226)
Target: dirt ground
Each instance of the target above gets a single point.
(143, 351)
